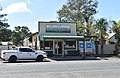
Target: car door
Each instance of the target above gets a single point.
(31, 54)
(26, 53)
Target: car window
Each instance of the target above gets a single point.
(26, 50)
(23, 50)
(30, 50)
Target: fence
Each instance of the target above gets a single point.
(107, 49)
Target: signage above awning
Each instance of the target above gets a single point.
(58, 29)
(62, 37)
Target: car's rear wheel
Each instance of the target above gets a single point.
(39, 58)
(12, 59)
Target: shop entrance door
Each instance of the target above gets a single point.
(58, 47)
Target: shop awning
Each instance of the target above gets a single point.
(63, 37)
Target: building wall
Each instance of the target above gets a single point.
(42, 26)
(35, 41)
(26, 42)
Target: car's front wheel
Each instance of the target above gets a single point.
(39, 58)
(12, 59)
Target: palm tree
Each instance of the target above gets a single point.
(101, 25)
(116, 30)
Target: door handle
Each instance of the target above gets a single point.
(29, 53)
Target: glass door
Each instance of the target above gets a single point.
(58, 47)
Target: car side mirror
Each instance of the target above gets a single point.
(33, 51)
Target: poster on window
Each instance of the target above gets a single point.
(81, 45)
(88, 45)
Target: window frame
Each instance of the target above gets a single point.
(69, 47)
(26, 50)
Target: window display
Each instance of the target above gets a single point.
(48, 45)
(70, 45)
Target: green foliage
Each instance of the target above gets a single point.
(116, 29)
(19, 33)
(79, 11)
(80, 27)
(90, 26)
(3, 24)
(5, 34)
(102, 26)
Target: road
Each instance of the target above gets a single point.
(62, 69)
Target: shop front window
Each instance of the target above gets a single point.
(70, 45)
(48, 45)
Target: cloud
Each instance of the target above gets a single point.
(16, 8)
(28, 1)
(1, 0)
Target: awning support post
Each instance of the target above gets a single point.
(63, 53)
(84, 56)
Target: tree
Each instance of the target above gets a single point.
(19, 33)
(3, 24)
(79, 11)
(90, 26)
(5, 34)
(116, 29)
(101, 26)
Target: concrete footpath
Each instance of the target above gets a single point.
(110, 58)
(71, 58)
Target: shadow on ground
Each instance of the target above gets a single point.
(26, 61)
(72, 58)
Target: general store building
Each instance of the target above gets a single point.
(58, 38)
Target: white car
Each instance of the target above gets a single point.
(23, 53)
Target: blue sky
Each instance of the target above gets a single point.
(29, 12)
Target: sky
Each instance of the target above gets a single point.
(29, 12)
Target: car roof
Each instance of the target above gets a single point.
(23, 47)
